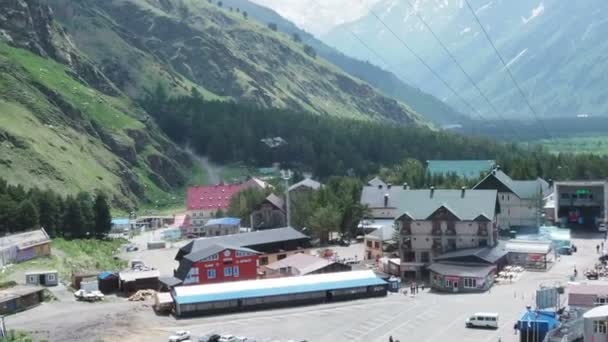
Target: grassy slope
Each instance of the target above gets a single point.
(73, 256)
(58, 157)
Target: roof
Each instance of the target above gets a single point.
(540, 316)
(598, 312)
(421, 204)
(376, 181)
(488, 254)
(250, 240)
(225, 221)
(384, 233)
(276, 201)
(120, 221)
(470, 169)
(376, 223)
(304, 263)
(274, 287)
(25, 239)
(106, 274)
(599, 288)
(528, 246)
(308, 183)
(40, 272)
(170, 281)
(134, 275)
(256, 182)
(18, 291)
(214, 249)
(461, 270)
(524, 189)
(211, 197)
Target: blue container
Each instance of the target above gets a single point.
(394, 284)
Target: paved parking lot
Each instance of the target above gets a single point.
(427, 317)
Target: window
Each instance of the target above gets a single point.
(242, 253)
(263, 261)
(565, 196)
(211, 273)
(502, 197)
(228, 271)
(281, 256)
(51, 277)
(235, 271)
(470, 282)
(508, 197)
(451, 244)
(212, 257)
(601, 300)
(33, 279)
(425, 257)
(369, 244)
(376, 244)
(600, 327)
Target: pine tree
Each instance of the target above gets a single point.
(88, 217)
(103, 218)
(27, 216)
(8, 212)
(73, 222)
(48, 212)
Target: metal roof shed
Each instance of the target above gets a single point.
(526, 246)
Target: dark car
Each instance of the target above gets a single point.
(564, 250)
(209, 338)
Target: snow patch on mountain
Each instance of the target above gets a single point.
(538, 10)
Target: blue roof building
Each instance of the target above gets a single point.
(469, 169)
(225, 221)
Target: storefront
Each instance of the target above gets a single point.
(536, 255)
(461, 278)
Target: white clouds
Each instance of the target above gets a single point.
(535, 13)
(320, 16)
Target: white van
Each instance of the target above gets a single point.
(482, 320)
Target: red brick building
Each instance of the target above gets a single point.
(219, 263)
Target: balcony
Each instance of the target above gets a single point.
(482, 230)
(406, 230)
(436, 231)
(406, 243)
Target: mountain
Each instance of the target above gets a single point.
(64, 125)
(187, 44)
(385, 81)
(554, 48)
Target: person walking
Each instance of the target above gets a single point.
(390, 338)
(575, 272)
(597, 249)
(602, 244)
(417, 288)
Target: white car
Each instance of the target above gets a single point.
(228, 338)
(180, 336)
(482, 320)
(602, 227)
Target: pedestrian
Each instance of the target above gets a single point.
(602, 244)
(422, 287)
(390, 338)
(575, 272)
(515, 328)
(417, 288)
(597, 249)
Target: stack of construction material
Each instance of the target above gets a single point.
(142, 295)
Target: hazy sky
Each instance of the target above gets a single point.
(319, 16)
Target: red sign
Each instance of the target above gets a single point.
(535, 257)
(452, 278)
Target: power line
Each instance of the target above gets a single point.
(521, 92)
(427, 66)
(470, 79)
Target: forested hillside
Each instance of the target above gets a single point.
(327, 146)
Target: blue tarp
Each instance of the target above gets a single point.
(227, 221)
(104, 275)
(538, 323)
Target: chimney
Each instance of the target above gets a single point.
(379, 186)
(462, 191)
(497, 167)
(550, 182)
(432, 191)
(386, 200)
(405, 186)
(389, 185)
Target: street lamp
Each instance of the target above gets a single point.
(286, 175)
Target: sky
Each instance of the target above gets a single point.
(319, 16)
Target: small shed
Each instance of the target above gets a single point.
(535, 324)
(44, 278)
(20, 298)
(163, 302)
(108, 282)
(89, 284)
(132, 281)
(78, 277)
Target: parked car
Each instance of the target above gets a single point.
(602, 227)
(564, 250)
(482, 320)
(209, 338)
(180, 336)
(228, 338)
(132, 248)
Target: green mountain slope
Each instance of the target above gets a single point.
(188, 43)
(65, 126)
(427, 105)
(555, 49)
